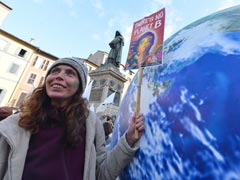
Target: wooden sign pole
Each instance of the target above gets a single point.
(138, 97)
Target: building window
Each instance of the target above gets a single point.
(41, 82)
(43, 64)
(3, 44)
(32, 78)
(35, 61)
(49, 64)
(22, 53)
(14, 68)
(38, 62)
(46, 65)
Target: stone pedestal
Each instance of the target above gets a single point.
(107, 80)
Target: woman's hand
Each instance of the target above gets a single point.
(137, 123)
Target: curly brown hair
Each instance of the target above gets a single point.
(34, 113)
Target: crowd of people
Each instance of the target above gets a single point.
(56, 136)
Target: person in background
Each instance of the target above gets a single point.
(108, 128)
(56, 136)
(5, 111)
(108, 119)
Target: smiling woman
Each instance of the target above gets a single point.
(56, 136)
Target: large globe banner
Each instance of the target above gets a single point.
(191, 105)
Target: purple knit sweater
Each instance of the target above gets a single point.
(48, 159)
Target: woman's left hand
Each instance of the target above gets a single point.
(136, 124)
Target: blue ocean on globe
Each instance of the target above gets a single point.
(191, 105)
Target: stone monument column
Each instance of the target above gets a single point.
(107, 80)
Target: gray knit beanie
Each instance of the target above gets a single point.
(76, 64)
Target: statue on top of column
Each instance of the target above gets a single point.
(115, 54)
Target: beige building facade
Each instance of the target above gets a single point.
(23, 67)
(33, 76)
(14, 56)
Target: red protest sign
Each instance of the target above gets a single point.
(146, 41)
